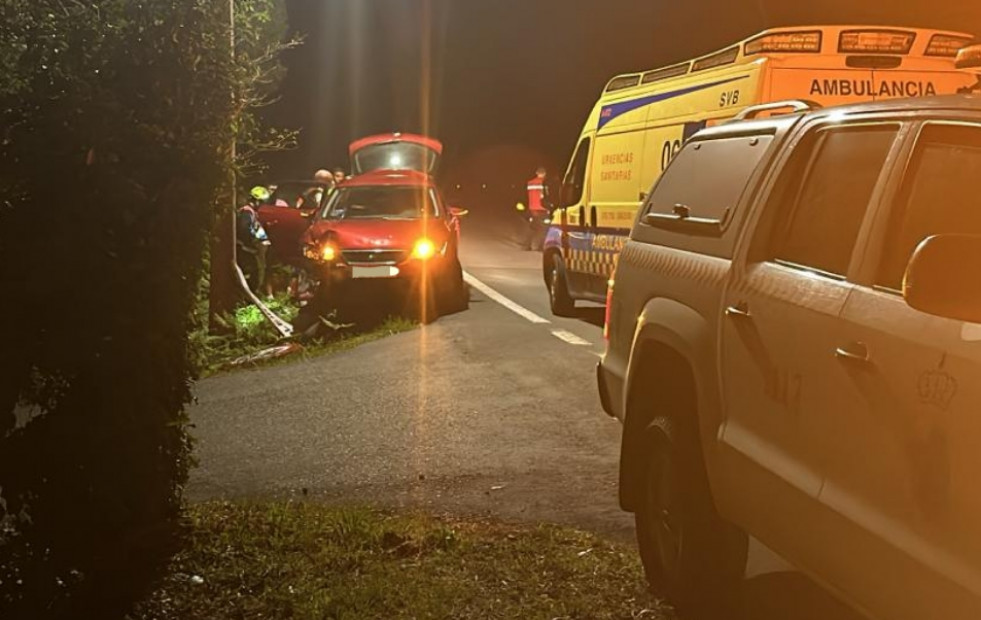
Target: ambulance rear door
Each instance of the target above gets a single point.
(824, 85)
(896, 83)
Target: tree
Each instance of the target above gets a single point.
(258, 45)
(116, 117)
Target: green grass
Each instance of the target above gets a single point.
(310, 561)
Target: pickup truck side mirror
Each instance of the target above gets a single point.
(941, 278)
(457, 212)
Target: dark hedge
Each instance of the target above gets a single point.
(114, 122)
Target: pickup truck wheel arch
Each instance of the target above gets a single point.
(671, 380)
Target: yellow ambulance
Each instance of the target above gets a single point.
(642, 120)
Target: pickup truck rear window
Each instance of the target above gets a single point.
(707, 179)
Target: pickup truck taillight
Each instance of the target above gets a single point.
(609, 307)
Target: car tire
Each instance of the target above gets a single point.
(560, 302)
(454, 294)
(429, 308)
(322, 305)
(689, 552)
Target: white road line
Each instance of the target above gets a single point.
(571, 338)
(521, 311)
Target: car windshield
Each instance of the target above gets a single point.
(381, 203)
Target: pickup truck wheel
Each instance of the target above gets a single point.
(689, 553)
(560, 301)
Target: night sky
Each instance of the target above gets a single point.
(507, 84)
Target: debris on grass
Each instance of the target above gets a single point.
(267, 354)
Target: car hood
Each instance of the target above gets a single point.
(356, 234)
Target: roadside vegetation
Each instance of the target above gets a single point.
(248, 340)
(305, 560)
(116, 124)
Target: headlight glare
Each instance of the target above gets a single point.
(424, 249)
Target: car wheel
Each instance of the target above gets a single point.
(454, 295)
(428, 308)
(560, 301)
(689, 552)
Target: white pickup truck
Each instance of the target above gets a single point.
(795, 354)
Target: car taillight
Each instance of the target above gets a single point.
(609, 307)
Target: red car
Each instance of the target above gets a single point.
(387, 229)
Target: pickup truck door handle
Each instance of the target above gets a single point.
(854, 352)
(738, 311)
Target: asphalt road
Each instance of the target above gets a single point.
(491, 412)
(483, 412)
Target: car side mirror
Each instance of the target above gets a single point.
(942, 277)
(458, 212)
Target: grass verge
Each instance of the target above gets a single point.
(247, 332)
(306, 560)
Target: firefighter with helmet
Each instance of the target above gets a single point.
(252, 243)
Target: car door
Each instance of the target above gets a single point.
(902, 457)
(780, 328)
(576, 239)
(288, 217)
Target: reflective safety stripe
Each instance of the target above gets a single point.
(592, 262)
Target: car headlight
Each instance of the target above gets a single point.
(424, 249)
(325, 253)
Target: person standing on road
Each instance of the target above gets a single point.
(538, 210)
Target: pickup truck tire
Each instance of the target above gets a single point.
(560, 302)
(689, 552)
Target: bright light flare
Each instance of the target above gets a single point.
(424, 249)
(328, 253)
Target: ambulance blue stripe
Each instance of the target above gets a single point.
(616, 110)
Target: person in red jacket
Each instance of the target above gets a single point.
(538, 210)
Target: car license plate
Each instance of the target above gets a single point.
(385, 271)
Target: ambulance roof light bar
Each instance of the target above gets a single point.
(969, 58)
(798, 41)
(876, 41)
(794, 105)
(947, 45)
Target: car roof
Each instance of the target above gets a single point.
(389, 178)
(931, 105)
(951, 103)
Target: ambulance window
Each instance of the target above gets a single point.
(708, 177)
(823, 202)
(575, 179)
(939, 196)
